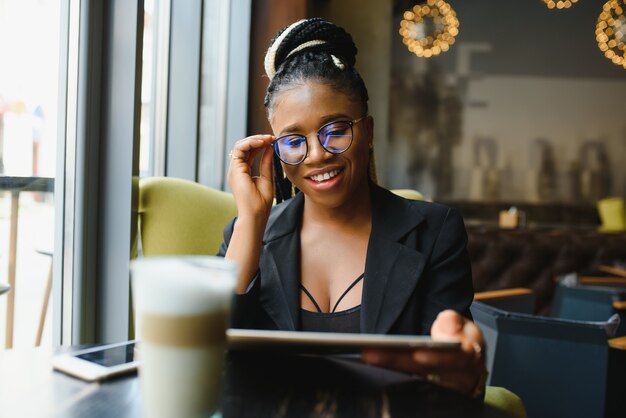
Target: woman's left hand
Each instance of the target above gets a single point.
(459, 370)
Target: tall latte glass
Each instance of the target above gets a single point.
(182, 305)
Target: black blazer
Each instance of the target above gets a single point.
(416, 266)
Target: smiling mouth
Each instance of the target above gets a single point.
(325, 176)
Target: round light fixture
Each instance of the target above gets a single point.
(429, 28)
(560, 4)
(611, 32)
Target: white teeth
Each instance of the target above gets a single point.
(326, 176)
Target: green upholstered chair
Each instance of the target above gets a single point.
(409, 194)
(505, 400)
(182, 217)
(612, 213)
(179, 216)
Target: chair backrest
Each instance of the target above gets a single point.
(590, 303)
(612, 213)
(409, 194)
(179, 216)
(558, 367)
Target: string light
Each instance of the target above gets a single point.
(429, 28)
(611, 32)
(560, 4)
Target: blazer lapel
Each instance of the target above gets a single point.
(280, 265)
(392, 269)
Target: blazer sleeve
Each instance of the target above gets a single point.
(246, 310)
(449, 272)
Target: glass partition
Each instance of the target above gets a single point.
(29, 51)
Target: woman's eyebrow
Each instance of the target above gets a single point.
(290, 129)
(333, 117)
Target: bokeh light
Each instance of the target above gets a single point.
(611, 32)
(429, 28)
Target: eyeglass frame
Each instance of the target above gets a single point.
(351, 123)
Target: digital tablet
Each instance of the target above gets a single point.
(248, 339)
(98, 363)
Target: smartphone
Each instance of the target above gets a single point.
(98, 363)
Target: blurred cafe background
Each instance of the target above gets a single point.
(511, 111)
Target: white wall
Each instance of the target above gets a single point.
(516, 110)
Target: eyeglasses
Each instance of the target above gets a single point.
(334, 137)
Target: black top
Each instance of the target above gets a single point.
(416, 266)
(344, 321)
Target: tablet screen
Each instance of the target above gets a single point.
(111, 356)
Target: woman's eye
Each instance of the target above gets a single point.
(335, 130)
(294, 142)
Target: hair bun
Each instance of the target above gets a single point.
(313, 34)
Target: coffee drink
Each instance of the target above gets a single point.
(182, 306)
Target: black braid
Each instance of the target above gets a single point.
(338, 41)
(314, 63)
(282, 185)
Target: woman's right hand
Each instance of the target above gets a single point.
(254, 194)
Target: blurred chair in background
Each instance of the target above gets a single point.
(558, 367)
(591, 299)
(179, 216)
(518, 299)
(409, 194)
(612, 214)
(46, 299)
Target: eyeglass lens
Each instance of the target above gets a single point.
(335, 137)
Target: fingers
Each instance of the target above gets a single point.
(472, 340)
(245, 150)
(449, 325)
(253, 194)
(265, 181)
(420, 361)
(266, 169)
(454, 369)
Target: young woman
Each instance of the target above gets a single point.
(343, 254)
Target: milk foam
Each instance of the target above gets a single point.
(182, 285)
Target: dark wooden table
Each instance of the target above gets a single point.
(256, 385)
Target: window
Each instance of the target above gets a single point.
(28, 142)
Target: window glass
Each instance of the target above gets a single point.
(213, 92)
(146, 144)
(29, 52)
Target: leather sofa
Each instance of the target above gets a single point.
(534, 258)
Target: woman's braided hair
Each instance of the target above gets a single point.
(311, 49)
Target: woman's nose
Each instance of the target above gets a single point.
(316, 151)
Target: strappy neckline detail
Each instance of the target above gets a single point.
(319, 310)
